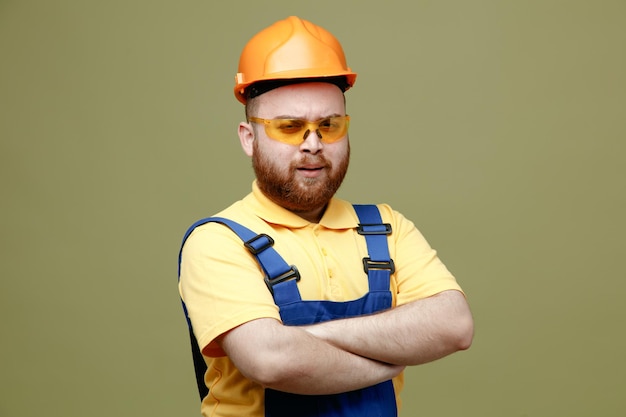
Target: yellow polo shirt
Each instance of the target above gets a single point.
(222, 284)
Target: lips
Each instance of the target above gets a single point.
(311, 168)
(311, 171)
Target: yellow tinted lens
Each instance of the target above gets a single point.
(333, 128)
(286, 130)
(295, 131)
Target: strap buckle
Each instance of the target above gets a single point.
(257, 245)
(292, 273)
(374, 229)
(380, 265)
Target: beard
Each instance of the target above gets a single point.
(295, 194)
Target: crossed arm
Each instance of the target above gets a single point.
(348, 354)
(290, 359)
(416, 333)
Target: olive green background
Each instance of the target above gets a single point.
(497, 126)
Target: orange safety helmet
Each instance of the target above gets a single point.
(291, 49)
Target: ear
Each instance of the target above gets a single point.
(246, 137)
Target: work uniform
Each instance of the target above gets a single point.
(222, 284)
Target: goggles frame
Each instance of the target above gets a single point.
(290, 131)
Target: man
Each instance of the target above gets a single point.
(363, 295)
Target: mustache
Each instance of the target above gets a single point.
(313, 160)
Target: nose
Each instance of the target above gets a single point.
(312, 143)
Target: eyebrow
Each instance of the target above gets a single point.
(289, 117)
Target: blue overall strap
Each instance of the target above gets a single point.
(378, 265)
(274, 267)
(260, 245)
(375, 232)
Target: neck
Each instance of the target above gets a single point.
(312, 216)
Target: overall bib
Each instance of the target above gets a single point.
(374, 401)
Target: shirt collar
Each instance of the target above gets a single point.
(338, 215)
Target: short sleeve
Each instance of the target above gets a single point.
(221, 285)
(419, 271)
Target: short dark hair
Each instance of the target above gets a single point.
(261, 87)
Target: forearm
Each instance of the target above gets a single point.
(292, 360)
(416, 333)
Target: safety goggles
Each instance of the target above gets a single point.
(295, 131)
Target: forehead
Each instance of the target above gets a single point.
(308, 100)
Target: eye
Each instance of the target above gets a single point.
(289, 125)
(330, 124)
